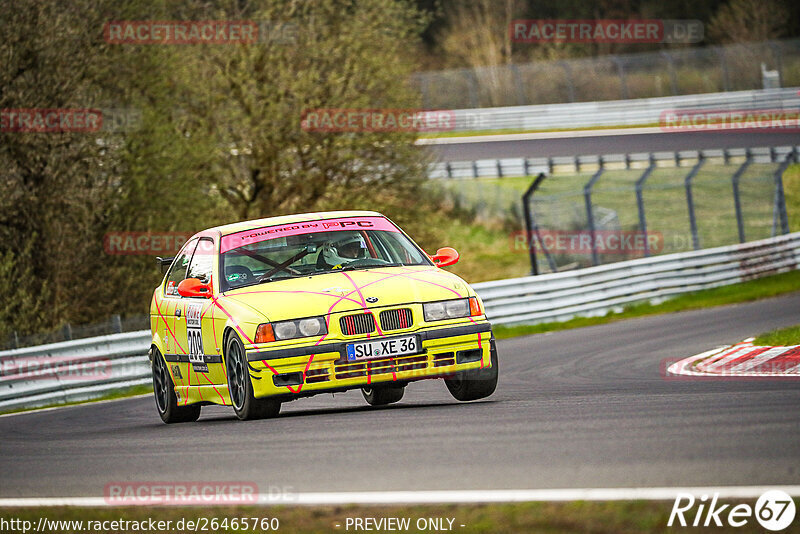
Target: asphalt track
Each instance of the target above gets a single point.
(611, 144)
(574, 409)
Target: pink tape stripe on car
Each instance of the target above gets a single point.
(257, 235)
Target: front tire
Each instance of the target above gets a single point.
(240, 387)
(164, 392)
(383, 395)
(475, 384)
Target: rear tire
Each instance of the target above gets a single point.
(240, 387)
(383, 395)
(475, 384)
(164, 392)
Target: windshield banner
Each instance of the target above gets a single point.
(257, 235)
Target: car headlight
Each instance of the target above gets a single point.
(451, 309)
(282, 330)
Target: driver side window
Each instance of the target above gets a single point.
(177, 272)
(202, 261)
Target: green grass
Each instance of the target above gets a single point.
(779, 338)
(502, 131)
(121, 394)
(620, 517)
(762, 288)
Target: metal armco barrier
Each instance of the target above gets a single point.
(596, 290)
(635, 112)
(73, 371)
(82, 369)
(506, 167)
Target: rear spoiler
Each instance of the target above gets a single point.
(164, 262)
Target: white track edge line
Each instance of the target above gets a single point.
(438, 497)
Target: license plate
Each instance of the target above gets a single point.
(381, 348)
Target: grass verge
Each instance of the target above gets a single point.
(502, 131)
(568, 517)
(762, 288)
(779, 338)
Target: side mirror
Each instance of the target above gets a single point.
(193, 287)
(445, 256)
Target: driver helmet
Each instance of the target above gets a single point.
(345, 250)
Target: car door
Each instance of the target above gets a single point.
(201, 339)
(172, 311)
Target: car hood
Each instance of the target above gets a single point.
(350, 290)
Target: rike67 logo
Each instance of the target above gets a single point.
(774, 510)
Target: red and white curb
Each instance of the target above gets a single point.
(741, 360)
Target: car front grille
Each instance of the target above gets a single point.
(361, 323)
(396, 319)
(380, 366)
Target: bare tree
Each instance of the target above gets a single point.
(747, 21)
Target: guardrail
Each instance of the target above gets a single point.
(79, 370)
(503, 167)
(73, 371)
(597, 290)
(635, 112)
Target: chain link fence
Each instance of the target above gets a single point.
(583, 211)
(657, 204)
(680, 71)
(67, 332)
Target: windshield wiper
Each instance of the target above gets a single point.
(350, 267)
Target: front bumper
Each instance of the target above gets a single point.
(307, 370)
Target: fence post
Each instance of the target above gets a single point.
(521, 100)
(640, 202)
(623, 84)
(779, 210)
(689, 200)
(526, 210)
(723, 64)
(116, 324)
(736, 198)
(423, 88)
(570, 84)
(673, 77)
(68, 332)
(472, 84)
(587, 197)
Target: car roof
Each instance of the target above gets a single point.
(286, 219)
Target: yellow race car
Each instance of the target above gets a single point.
(257, 313)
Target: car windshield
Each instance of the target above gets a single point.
(300, 251)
